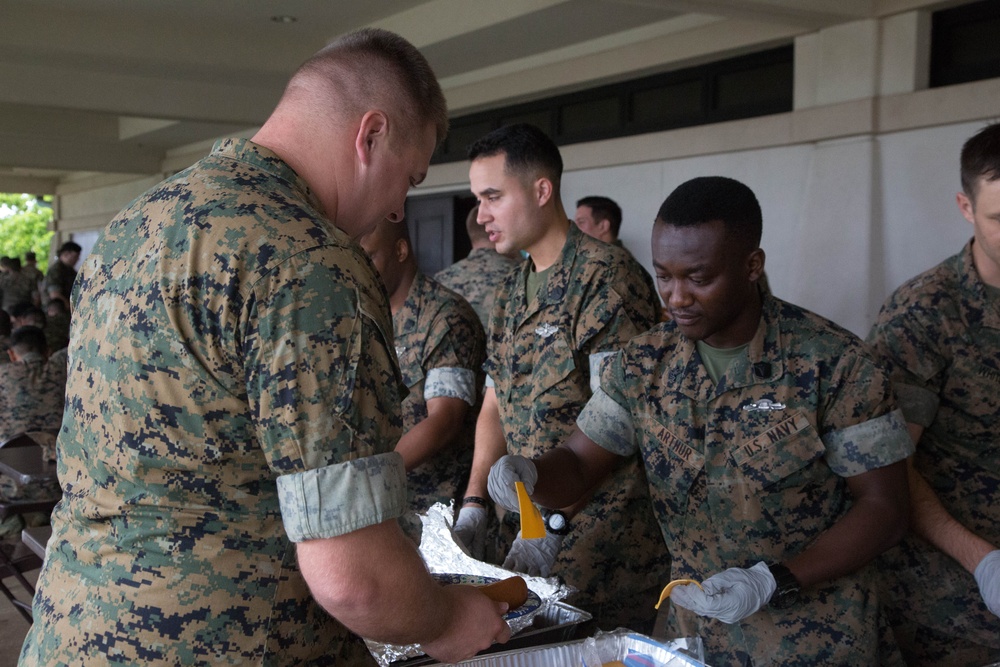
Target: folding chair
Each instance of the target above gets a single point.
(20, 560)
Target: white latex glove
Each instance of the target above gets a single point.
(507, 470)
(988, 578)
(533, 557)
(470, 530)
(729, 596)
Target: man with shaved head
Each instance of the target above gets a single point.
(230, 486)
(441, 347)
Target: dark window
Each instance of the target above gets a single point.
(743, 87)
(965, 43)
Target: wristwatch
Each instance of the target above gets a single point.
(787, 592)
(557, 523)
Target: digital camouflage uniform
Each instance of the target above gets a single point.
(476, 279)
(31, 399)
(59, 277)
(940, 332)
(32, 394)
(540, 359)
(232, 391)
(16, 288)
(441, 346)
(645, 277)
(753, 469)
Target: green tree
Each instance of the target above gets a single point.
(24, 227)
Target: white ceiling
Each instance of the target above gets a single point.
(116, 86)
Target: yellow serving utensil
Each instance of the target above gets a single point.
(532, 524)
(670, 587)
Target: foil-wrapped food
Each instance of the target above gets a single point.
(450, 564)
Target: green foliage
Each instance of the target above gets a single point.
(24, 226)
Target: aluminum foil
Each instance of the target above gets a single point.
(443, 555)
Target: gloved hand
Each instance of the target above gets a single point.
(988, 578)
(729, 596)
(533, 557)
(507, 470)
(470, 530)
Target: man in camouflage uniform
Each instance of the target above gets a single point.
(62, 273)
(941, 333)
(230, 493)
(477, 276)
(15, 286)
(601, 218)
(440, 345)
(771, 441)
(575, 301)
(32, 388)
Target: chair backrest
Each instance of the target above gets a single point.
(19, 561)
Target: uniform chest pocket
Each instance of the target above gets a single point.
(972, 389)
(408, 354)
(554, 364)
(786, 455)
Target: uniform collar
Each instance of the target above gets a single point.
(407, 315)
(553, 291)
(976, 309)
(266, 160)
(763, 363)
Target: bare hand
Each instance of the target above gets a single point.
(476, 624)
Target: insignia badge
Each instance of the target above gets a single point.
(764, 405)
(400, 350)
(546, 330)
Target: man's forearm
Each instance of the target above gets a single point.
(445, 418)
(876, 521)
(490, 445)
(932, 522)
(374, 582)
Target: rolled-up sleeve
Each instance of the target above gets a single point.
(869, 445)
(344, 497)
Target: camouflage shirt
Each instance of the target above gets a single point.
(476, 278)
(941, 334)
(441, 346)
(60, 278)
(232, 390)
(541, 356)
(644, 275)
(32, 393)
(753, 468)
(16, 288)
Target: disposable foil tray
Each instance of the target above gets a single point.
(556, 622)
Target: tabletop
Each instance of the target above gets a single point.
(25, 465)
(36, 538)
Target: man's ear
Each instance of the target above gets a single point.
(543, 191)
(371, 134)
(966, 206)
(755, 264)
(402, 248)
(12, 355)
(605, 226)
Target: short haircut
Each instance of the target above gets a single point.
(69, 246)
(710, 198)
(528, 152)
(30, 312)
(28, 339)
(374, 67)
(5, 323)
(604, 208)
(8, 263)
(29, 256)
(981, 158)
